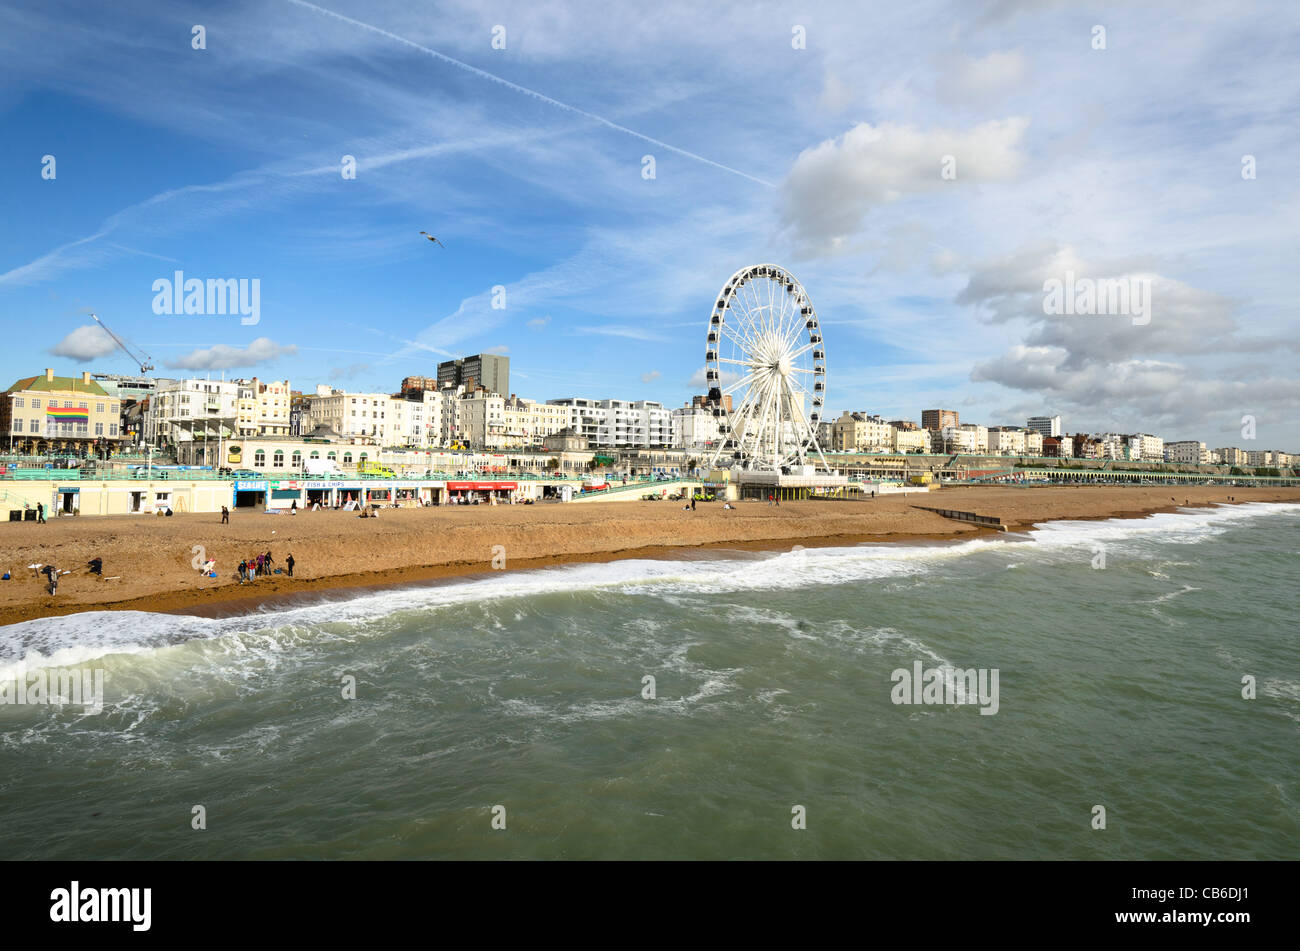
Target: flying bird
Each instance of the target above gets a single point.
(434, 240)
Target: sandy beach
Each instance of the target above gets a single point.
(148, 562)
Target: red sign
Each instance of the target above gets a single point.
(481, 486)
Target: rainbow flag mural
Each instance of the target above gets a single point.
(71, 414)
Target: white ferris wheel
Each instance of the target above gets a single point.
(765, 351)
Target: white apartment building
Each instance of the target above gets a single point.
(1033, 443)
(356, 415)
(1231, 456)
(1146, 447)
(1187, 452)
(1007, 440)
(1044, 425)
(695, 427)
(1261, 457)
(195, 410)
(615, 424)
(966, 438)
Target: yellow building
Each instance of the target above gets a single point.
(51, 414)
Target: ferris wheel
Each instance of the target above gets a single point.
(765, 351)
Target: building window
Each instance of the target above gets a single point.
(347, 458)
(99, 429)
(297, 460)
(18, 425)
(333, 455)
(112, 429)
(18, 402)
(36, 404)
(278, 459)
(259, 458)
(315, 454)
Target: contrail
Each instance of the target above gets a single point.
(528, 92)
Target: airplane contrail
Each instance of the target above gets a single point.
(527, 92)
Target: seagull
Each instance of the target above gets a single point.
(434, 240)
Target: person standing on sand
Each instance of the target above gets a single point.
(269, 562)
(240, 569)
(692, 503)
(40, 514)
(288, 563)
(261, 559)
(225, 515)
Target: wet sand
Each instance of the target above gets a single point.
(148, 561)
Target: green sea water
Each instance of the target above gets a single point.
(521, 696)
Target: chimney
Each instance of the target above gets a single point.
(85, 376)
(49, 374)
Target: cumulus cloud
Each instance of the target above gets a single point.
(651, 376)
(85, 343)
(223, 357)
(1107, 371)
(832, 186)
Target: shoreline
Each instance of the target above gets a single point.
(419, 548)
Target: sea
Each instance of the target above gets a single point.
(1141, 700)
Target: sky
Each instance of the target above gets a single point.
(923, 169)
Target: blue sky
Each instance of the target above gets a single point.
(527, 163)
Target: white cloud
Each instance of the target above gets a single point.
(223, 357)
(832, 186)
(651, 376)
(539, 323)
(85, 343)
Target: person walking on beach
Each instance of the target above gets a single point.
(40, 513)
(692, 503)
(52, 574)
(288, 563)
(259, 563)
(242, 569)
(769, 498)
(225, 515)
(269, 562)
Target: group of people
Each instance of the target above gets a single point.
(263, 564)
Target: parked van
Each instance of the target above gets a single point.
(375, 469)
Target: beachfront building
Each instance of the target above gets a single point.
(270, 404)
(694, 426)
(200, 411)
(528, 422)
(1146, 447)
(1188, 452)
(1033, 443)
(1006, 441)
(1261, 457)
(966, 438)
(1044, 425)
(483, 419)
(49, 413)
(352, 415)
(618, 424)
(858, 432)
(1231, 456)
(909, 439)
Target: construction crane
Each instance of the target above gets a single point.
(145, 365)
